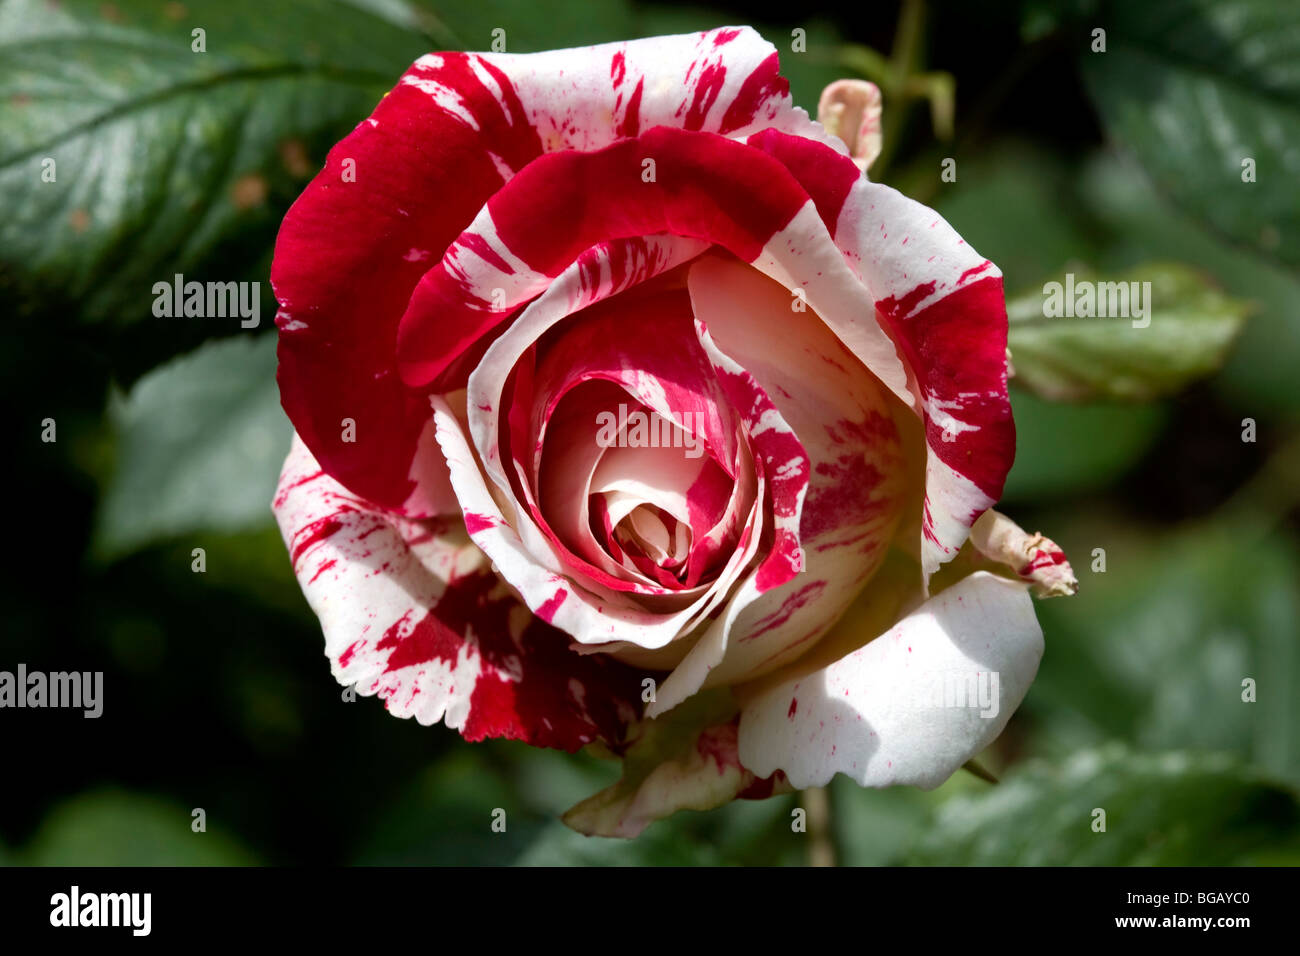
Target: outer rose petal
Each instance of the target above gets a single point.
(871, 715)
(411, 612)
(943, 304)
(705, 187)
(703, 774)
(409, 179)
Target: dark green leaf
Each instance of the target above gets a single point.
(1140, 225)
(1040, 17)
(516, 29)
(1196, 88)
(165, 159)
(660, 845)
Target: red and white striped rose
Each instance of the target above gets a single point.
(511, 246)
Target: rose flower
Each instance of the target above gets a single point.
(620, 390)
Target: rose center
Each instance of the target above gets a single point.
(657, 536)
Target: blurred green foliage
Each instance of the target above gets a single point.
(112, 828)
(1171, 809)
(170, 437)
(1153, 329)
(199, 443)
(1207, 95)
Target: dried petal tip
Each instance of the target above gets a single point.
(850, 109)
(1034, 558)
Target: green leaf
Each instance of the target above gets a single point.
(563, 24)
(200, 442)
(1155, 650)
(168, 160)
(1172, 809)
(114, 828)
(1198, 87)
(1185, 333)
(1140, 225)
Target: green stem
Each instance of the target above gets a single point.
(821, 848)
(974, 767)
(903, 60)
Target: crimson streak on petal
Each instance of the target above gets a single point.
(704, 186)
(943, 306)
(412, 613)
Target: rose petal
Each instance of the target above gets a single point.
(353, 247)
(644, 341)
(724, 80)
(700, 186)
(872, 715)
(943, 304)
(397, 191)
(839, 522)
(599, 273)
(702, 773)
(412, 613)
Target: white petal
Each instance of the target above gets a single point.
(887, 713)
